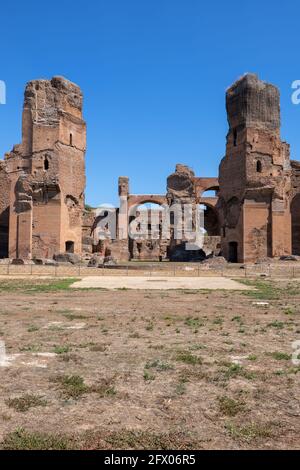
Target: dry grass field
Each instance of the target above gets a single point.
(148, 369)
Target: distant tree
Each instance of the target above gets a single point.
(88, 207)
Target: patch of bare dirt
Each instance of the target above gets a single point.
(149, 369)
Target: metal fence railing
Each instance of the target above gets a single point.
(163, 269)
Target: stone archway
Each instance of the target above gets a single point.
(135, 200)
(206, 185)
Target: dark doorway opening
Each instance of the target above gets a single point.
(233, 252)
(211, 221)
(4, 230)
(258, 166)
(70, 247)
(295, 212)
(3, 242)
(235, 138)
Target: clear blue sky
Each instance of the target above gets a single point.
(154, 75)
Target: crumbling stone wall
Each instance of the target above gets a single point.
(141, 248)
(47, 172)
(150, 245)
(256, 210)
(183, 187)
(180, 191)
(88, 220)
(255, 175)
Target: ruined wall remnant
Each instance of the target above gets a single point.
(255, 175)
(252, 103)
(183, 187)
(142, 247)
(180, 191)
(180, 185)
(88, 220)
(254, 214)
(155, 241)
(47, 172)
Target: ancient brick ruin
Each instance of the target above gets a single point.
(43, 178)
(254, 214)
(255, 175)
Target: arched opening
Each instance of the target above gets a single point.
(71, 139)
(211, 221)
(258, 166)
(295, 213)
(233, 252)
(70, 245)
(212, 230)
(208, 202)
(46, 164)
(209, 192)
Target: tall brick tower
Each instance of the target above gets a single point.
(255, 175)
(47, 171)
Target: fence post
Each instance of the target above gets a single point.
(8, 269)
